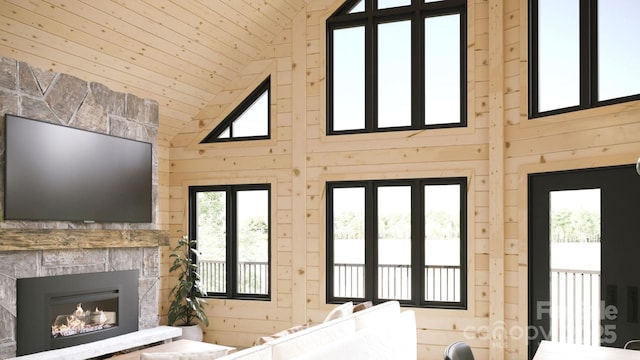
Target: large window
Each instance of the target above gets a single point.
(397, 240)
(396, 65)
(232, 227)
(581, 56)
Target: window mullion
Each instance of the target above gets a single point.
(417, 65)
(463, 67)
(591, 24)
(330, 249)
(464, 280)
(587, 59)
(193, 215)
(371, 76)
(371, 244)
(417, 243)
(232, 277)
(533, 59)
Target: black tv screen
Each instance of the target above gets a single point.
(55, 172)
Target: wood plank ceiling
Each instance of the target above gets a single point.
(178, 52)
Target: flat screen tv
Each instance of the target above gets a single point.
(55, 172)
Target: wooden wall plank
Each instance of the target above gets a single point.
(152, 30)
(106, 40)
(496, 180)
(189, 25)
(299, 166)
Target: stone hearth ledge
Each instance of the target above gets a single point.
(110, 345)
(55, 239)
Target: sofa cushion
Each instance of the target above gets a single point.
(362, 306)
(259, 352)
(264, 339)
(340, 311)
(378, 314)
(393, 340)
(302, 341)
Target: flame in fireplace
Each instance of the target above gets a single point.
(81, 321)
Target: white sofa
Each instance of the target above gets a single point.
(378, 332)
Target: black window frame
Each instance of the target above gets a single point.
(417, 241)
(588, 20)
(231, 237)
(227, 123)
(370, 18)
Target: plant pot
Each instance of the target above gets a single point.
(191, 332)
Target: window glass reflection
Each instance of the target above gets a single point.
(558, 54)
(442, 70)
(617, 56)
(348, 79)
(394, 74)
(385, 4)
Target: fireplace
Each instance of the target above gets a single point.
(59, 311)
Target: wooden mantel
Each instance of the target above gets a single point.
(55, 239)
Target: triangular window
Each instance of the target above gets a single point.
(357, 8)
(251, 120)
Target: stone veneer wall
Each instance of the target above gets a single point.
(67, 100)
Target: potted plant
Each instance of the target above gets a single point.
(187, 295)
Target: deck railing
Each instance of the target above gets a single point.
(253, 276)
(442, 282)
(348, 280)
(575, 306)
(394, 281)
(575, 303)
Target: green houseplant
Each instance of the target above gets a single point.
(187, 295)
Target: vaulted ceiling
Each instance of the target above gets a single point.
(181, 53)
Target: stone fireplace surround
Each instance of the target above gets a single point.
(34, 249)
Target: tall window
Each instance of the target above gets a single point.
(581, 56)
(396, 65)
(249, 121)
(232, 227)
(399, 240)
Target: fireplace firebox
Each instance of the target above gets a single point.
(54, 312)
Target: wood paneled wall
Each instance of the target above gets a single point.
(496, 152)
